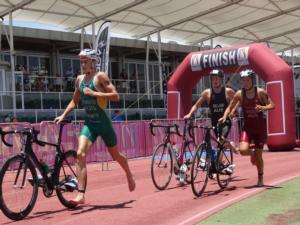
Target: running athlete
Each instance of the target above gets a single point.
(217, 98)
(94, 89)
(254, 102)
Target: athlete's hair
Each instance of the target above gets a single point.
(89, 53)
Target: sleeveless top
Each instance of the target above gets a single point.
(252, 119)
(94, 106)
(217, 105)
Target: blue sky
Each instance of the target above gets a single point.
(34, 25)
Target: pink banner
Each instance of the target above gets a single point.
(134, 139)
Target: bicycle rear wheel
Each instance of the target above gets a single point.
(225, 159)
(200, 170)
(161, 166)
(18, 187)
(66, 188)
(189, 151)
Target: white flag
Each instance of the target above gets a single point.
(102, 47)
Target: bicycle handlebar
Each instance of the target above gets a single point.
(24, 131)
(3, 133)
(29, 131)
(168, 127)
(63, 122)
(204, 127)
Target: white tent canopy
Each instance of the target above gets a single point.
(224, 22)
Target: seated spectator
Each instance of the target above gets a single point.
(7, 118)
(117, 116)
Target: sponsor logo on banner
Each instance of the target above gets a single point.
(102, 47)
(231, 57)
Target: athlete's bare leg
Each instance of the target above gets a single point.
(259, 165)
(245, 149)
(84, 145)
(122, 160)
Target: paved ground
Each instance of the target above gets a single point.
(108, 200)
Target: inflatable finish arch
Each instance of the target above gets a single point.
(275, 72)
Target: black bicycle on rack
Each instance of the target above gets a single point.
(19, 181)
(208, 161)
(166, 160)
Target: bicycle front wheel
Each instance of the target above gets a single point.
(161, 166)
(188, 153)
(200, 170)
(225, 159)
(66, 179)
(18, 187)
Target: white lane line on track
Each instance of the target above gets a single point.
(240, 197)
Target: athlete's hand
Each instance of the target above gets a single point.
(88, 91)
(260, 108)
(232, 115)
(222, 120)
(187, 116)
(59, 119)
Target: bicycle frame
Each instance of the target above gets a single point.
(28, 154)
(185, 140)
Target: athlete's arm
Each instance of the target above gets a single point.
(234, 112)
(235, 102)
(203, 97)
(229, 94)
(73, 103)
(266, 100)
(102, 82)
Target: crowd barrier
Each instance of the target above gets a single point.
(134, 139)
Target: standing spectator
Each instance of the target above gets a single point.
(69, 75)
(133, 80)
(39, 85)
(124, 81)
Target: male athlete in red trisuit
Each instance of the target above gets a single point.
(254, 101)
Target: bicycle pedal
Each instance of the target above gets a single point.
(39, 179)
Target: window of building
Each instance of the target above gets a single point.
(6, 58)
(33, 65)
(114, 70)
(44, 66)
(76, 66)
(21, 63)
(66, 65)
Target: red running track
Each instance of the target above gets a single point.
(108, 200)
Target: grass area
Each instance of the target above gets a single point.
(275, 206)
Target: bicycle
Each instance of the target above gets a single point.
(166, 159)
(19, 180)
(207, 162)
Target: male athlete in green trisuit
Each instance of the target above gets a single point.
(94, 89)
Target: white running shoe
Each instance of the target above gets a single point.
(230, 169)
(202, 163)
